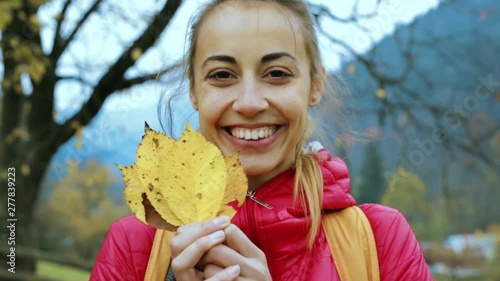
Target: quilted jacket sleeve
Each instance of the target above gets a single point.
(399, 252)
(124, 253)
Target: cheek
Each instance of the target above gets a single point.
(211, 107)
(293, 108)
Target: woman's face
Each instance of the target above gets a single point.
(252, 86)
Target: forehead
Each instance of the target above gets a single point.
(253, 27)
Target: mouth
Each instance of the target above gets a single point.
(252, 134)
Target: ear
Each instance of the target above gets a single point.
(318, 85)
(194, 101)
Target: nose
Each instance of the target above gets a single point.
(250, 100)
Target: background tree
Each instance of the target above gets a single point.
(407, 192)
(81, 209)
(29, 132)
(373, 184)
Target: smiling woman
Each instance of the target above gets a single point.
(254, 73)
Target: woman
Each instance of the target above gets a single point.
(255, 71)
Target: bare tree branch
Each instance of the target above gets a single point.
(76, 78)
(57, 36)
(59, 48)
(128, 83)
(321, 10)
(114, 77)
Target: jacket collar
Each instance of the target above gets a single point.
(336, 184)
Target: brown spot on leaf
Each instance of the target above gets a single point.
(156, 142)
(199, 196)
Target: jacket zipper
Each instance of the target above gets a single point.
(251, 195)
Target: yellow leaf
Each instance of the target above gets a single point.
(351, 69)
(339, 142)
(136, 53)
(25, 170)
(14, 42)
(133, 191)
(236, 178)
(79, 143)
(381, 94)
(147, 168)
(178, 182)
(194, 177)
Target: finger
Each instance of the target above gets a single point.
(222, 256)
(190, 275)
(211, 270)
(191, 255)
(187, 234)
(228, 274)
(238, 241)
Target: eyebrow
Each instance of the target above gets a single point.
(222, 58)
(232, 60)
(275, 56)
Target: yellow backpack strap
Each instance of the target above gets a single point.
(352, 244)
(160, 257)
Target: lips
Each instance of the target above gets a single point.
(252, 133)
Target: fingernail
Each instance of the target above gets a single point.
(217, 235)
(234, 270)
(221, 220)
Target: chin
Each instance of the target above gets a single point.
(255, 167)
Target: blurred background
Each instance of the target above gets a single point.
(80, 78)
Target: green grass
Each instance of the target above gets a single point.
(60, 272)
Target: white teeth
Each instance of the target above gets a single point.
(253, 134)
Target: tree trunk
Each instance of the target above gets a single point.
(25, 133)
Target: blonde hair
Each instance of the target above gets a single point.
(308, 185)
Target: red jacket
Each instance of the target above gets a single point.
(282, 234)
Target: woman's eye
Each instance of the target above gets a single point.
(221, 75)
(278, 74)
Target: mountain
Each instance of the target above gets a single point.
(443, 65)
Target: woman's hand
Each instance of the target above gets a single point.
(192, 242)
(237, 249)
(198, 253)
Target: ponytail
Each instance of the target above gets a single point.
(308, 188)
